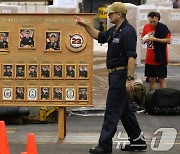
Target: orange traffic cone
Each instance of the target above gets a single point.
(24, 153)
(4, 148)
(31, 144)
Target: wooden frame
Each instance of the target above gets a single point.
(57, 93)
(32, 93)
(6, 41)
(70, 71)
(74, 49)
(20, 71)
(57, 71)
(70, 93)
(8, 71)
(44, 69)
(56, 37)
(8, 91)
(78, 54)
(20, 93)
(24, 43)
(82, 93)
(32, 71)
(83, 71)
(45, 93)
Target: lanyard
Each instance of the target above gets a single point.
(110, 36)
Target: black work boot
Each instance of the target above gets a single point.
(100, 150)
(138, 144)
(134, 147)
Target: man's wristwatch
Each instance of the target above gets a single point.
(129, 78)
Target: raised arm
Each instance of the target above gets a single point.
(91, 31)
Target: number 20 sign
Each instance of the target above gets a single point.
(76, 42)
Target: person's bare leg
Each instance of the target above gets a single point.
(152, 83)
(162, 83)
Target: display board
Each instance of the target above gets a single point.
(46, 60)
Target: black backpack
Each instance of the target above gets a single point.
(163, 102)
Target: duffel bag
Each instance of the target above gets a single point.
(163, 102)
(138, 95)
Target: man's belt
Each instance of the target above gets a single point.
(116, 69)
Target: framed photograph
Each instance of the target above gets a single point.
(27, 38)
(82, 93)
(57, 71)
(57, 93)
(70, 94)
(20, 71)
(45, 71)
(45, 93)
(53, 40)
(32, 94)
(20, 93)
(71, 71)
(4, 41)
(32, 72)
(83, 71)
(7, 71)
(7, 93)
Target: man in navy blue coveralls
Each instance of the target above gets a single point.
(121, 54)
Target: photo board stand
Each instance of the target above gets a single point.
(47, 61)
(61, 123)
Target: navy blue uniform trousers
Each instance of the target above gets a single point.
(117, 108)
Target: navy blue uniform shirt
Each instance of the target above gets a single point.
(121, 44)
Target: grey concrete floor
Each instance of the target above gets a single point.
(83, 133)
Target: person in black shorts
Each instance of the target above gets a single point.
(159, 17)
(157, 37)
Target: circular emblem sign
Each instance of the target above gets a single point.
(7, 93)
(70, 93)
(76, 42)
(32, 93)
